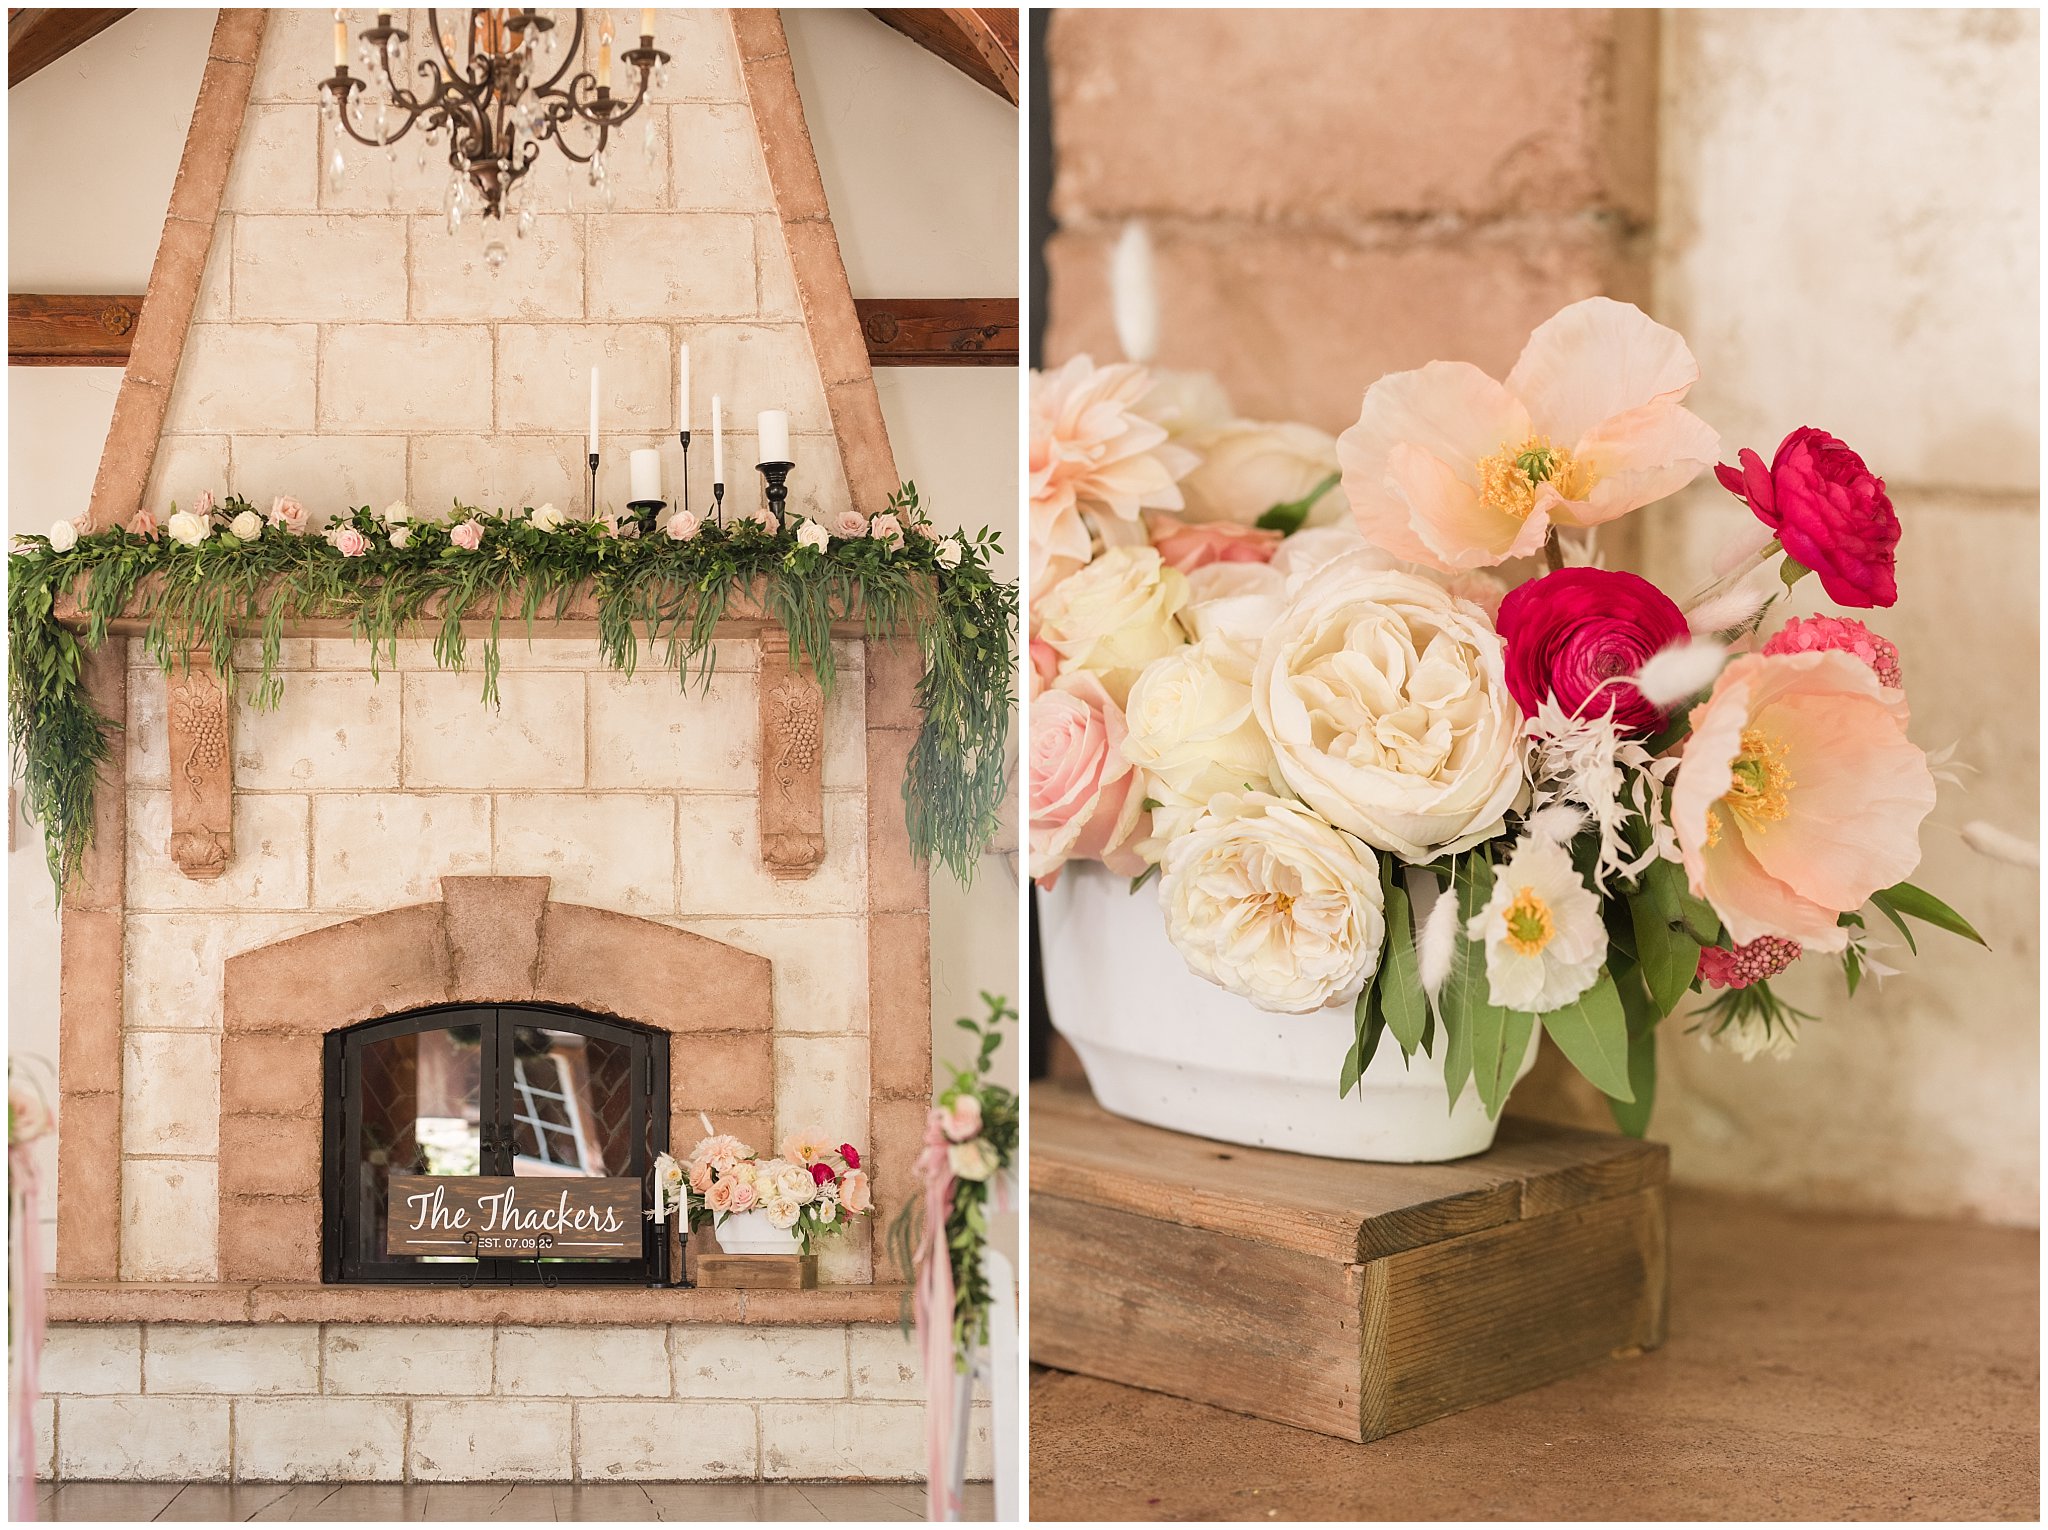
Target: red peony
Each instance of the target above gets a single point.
(1570, 631)
(852, 1158)
(822, 1173)
(1830, 512)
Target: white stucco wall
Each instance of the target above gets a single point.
(1848, 234)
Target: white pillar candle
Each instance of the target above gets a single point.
(717, 439)
(593, 411)
(774, 430)
(646, 475)
(683, 392)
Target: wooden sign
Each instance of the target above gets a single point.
(507, 1217)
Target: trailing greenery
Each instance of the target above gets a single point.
(665, 592)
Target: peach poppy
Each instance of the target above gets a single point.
(1091, 451)
(1448, 468)
(1798, 795)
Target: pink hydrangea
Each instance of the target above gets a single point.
(1811, 634)
(1764, 957)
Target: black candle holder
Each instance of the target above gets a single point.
(718, 503)
(685, 435)
(645, 513)
(591, 502)
(777, 474)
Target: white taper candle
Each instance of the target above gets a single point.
(683, 391)
(717, 439)
(593, 411)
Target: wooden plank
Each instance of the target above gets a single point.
(760, 1272)
(37, 36)
(939, 332)
(504, 1216)
(1231, 1321)
(48, 329)
(980, 42)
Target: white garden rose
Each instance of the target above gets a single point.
(948, 553)
(1248, 467)
(247, 526)
(189, 529)
(401, 536)
(63, 537)
(974, 1160)
(783, 1214)
(1236, 601)
(1114, 616)
(397, 513)
(1266, 900)
(547, 518)
(1388, 710)
(1191, 728)
(813, 534)
(1187, 405)
(1306, 551)
(1545, 940)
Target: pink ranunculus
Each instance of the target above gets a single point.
(1087, 801)
(1830, 512)
(1813, 634)
(467, 535)
(1760, 959)
(848, 524)
(743, 1196)
(962, 1119)
(848, 1152)
(1571, 632)
(1798, 795)
(854, 1194)
(143, 524)
(1188, 546)
(349, 542)
(290, 514)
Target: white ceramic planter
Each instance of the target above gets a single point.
(750, 1232)
(1165, 1047)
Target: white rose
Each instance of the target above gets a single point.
(547, 518)
(1266, 900)
(63, 537)
(401, 535)
(813, 535)
(974, 1160)
(948, 554)
(1237, 601)
(796, 1185)
(189, 529)
(397, 513)
(1191, 724)
(783, 1214)
(1306, 551)
(1248, 467)
(1186, 404)
(247, 526)
(1388, 710)
(1114, 616)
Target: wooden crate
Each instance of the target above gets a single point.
(1353, 1299)
(763, 1272)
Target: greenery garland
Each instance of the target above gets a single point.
(669, 591)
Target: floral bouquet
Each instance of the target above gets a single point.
(1425, 756)
(813, 1191)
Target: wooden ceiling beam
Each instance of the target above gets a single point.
(980, 42)
(37, 36)
(939, 332)
(70, 329)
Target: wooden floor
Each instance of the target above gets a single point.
(667, 1501)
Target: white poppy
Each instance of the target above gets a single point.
(1544, 939)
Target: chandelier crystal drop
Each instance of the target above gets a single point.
(491, 84)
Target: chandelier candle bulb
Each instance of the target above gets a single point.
(646, 473)
(647, 26)
(340, 42)
(774, 433)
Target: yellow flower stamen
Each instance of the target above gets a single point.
(1761, 784)
(1283, 903)
(1509, 478)
(1528, 922)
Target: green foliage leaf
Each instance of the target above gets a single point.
(1884, 905)
(1592, 1032)
(1290, 516)
(1372, 1024)
(1928, 909)
(1401, 998)
(1633, 1115)
(1792, 571)
(1485, 1040)
(1670, 958)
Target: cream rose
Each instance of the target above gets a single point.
(1115, 616)
(974, 1159)
(247, 526)
(1237, 601)
(189, 529)
(63, 537)
(1191, 729)
(1388, 710)
(783, 1214)
(547, 518)
(1249, 467)
(1264, 899)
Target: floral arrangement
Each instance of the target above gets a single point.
(223, 569)
(813, 1190)
(1425, 755)
(970, 1139)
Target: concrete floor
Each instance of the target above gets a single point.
(681, 1502)
(1819, 1367)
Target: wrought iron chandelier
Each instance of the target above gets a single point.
(486, 91)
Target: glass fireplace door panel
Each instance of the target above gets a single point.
(417, 1108)
(574, 1100)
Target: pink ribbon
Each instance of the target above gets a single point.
(932, 1308)
(26, 1341)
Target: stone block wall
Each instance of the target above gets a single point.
(345, 1402)
(347, 349)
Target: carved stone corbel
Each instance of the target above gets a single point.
(792, 802)
(202, 770)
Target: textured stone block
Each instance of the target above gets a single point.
(408, 1360)
(721, 870)
(330, 475)
(321, 266)
(88, 1191)
(616, 850)
(650, 731)
(298, 53)
(875, 1441)
(898, 882)
(268, 1155)
(184, 466)
(544, 376)
(728, 1072)
(331, 977)
(760, 1362)
(319, 1439)
(664, 1441)
(244, 377)
(174, 963)
(89, 1002)
(46, 1438)
(491, 1441)
(233, 1359)
(371, 183)
(171, 1081)
(376, 850)
(277, 163)
(269, 1238)
(661, 265)
(493, 928)
(532, 741)
(900, 1004)
(885, 1365)
(821, 1084)
(452, 281)
(756, 362)
(144, 1439)
(268, 871)
(91, 1360)
(720, 165)
(583, 1362)
(497, 473)
(779, 298)
(329, 733)
(392, 377)
(690, 982)
(820, 968)
(170, 1214)
(266, 1075)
